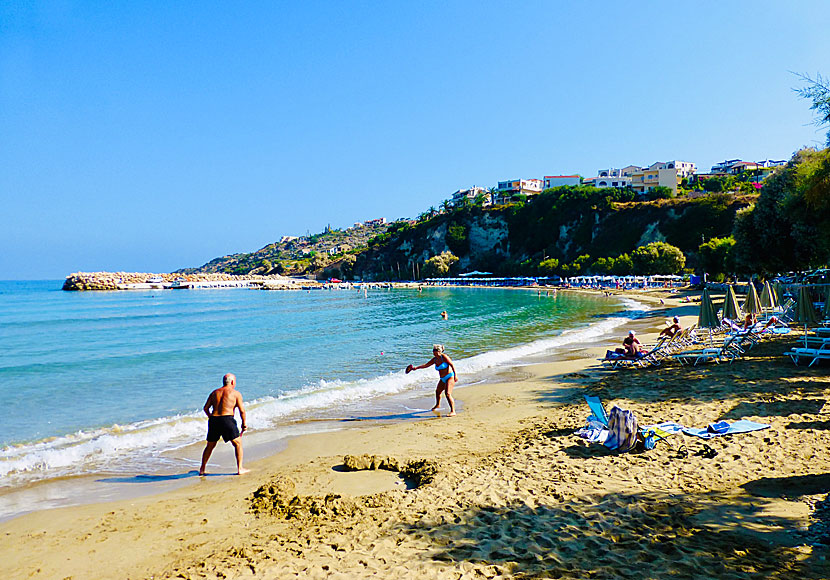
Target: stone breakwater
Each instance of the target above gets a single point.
(80, 281)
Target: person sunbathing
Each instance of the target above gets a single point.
(632, 347)
(673, 329)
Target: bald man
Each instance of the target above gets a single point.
(220, 408)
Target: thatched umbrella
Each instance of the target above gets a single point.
(768, 297)
(752, 305)
(731, 310)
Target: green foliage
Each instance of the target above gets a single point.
(623, 265)
(658, 258)
(439, 266)
(660, 192)
(790, 219)
(576, 267)
(379, 239)
(548, 267)
(715, 256)
(457, 238)
(719, 184)
(817, 90)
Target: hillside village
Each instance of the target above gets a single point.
(680, 177)
(335, 250)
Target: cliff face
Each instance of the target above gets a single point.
(499, 240)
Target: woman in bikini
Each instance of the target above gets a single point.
(446, 376)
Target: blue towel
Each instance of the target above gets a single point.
(741, 426)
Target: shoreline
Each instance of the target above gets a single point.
(82, 489)
(508, 451)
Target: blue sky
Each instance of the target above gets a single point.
(151, 136)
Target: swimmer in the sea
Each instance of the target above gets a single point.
(446, 376)
(444, 315)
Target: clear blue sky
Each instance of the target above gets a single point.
(150, 136)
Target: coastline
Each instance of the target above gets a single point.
(186, 532)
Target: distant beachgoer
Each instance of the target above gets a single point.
(673, 329)
(220, 408)
(444, 315)
(446, 376)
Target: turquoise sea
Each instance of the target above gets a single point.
(111, 382)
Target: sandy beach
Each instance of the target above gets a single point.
(502, 490)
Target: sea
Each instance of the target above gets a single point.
(111, 384)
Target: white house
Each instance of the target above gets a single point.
(561, 180)
(471, 194)
(615, 177)
(663, 173)
(507, 189)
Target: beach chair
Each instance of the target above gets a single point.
(616, 360)
(597, 408)
(816, 354)
(729, 351)
(624, 431)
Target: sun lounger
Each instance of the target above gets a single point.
(616, 360)
(729, 350)
(814, 354)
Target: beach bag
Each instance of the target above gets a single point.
(622, 430)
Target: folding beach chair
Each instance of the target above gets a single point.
(597, 408)
(624, 431)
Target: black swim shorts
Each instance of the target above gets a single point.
(222, 426)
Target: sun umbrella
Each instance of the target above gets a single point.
(707, 318)
(779, 293)
(731, 310)
(826, 311)
(752, 304)
(805, 313)
(768, 297)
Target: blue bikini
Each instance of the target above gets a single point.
(446, 378)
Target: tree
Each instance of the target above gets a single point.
(658, 258)
(661, 192)
(623, 265)
(457, 238)
(817, 91)
(440, 265)
(548, 267)
(715, 256)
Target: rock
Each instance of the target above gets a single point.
(370, 462)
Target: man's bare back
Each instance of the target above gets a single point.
(223, 401)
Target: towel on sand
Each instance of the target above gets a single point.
(742, 426)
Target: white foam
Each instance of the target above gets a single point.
(96, 450)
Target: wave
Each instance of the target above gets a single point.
(110, 447)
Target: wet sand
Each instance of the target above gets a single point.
(514, 493)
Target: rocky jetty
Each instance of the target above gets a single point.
(80, 281)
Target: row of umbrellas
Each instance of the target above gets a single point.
(770, 298)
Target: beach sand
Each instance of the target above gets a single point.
(514, 492)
